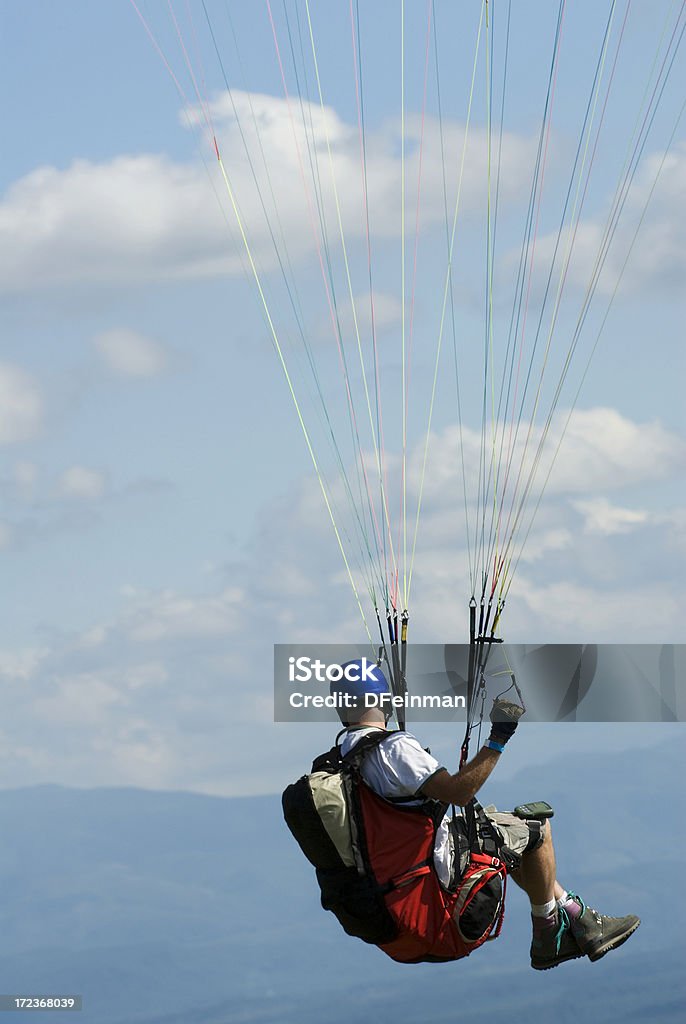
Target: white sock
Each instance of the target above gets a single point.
(544, 909)
(563, 898)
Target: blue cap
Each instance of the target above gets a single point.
(360, 677)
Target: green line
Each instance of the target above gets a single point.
(349, 282)
(445, 301)
(402, 294)
(599, 335)
(521, 502)
(279, 351)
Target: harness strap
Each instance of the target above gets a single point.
(480, 826)
(433, 809)
(424, 867)
(364, 744)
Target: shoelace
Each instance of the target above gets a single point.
(563, 926)
(584, 908)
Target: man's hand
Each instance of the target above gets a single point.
(463, 785)
(505, 717)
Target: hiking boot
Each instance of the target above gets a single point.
(597, 934)
(554, 945)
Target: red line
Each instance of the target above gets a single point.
(189, 65)
(375, 351)
(416, 250)
(160, 52)
(528, 293)
(321, 264)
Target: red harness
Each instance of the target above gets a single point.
(432, 924)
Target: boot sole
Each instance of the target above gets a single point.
(611, 944)
(547, 966)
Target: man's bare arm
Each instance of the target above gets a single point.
(463, 785)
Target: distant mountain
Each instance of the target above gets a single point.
(174, 908)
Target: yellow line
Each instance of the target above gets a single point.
(346, 262)
(445, 302)
(402, 293)
(287, 375)
(556, 309)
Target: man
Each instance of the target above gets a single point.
(564, 928)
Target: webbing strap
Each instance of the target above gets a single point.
(480, 826)
(363, 745)
(418, 870)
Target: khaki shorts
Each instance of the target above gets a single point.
(518, 834)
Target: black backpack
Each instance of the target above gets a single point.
(321, 811)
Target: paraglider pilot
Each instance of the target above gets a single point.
(564, 927)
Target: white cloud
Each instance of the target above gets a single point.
(40, 506)
(132, 220)
(92, 638)
(148, 697)
(83, 700)
(600, 516)
(138, 699)
(145, 218)
(572, 612)
(20, 664)
(590, 564)
(545, 542)
(657, 256)
(308, 172)
(81, 482)
(603, 449)
(147, 676)
(131, 354)
(387, 314)
(21, 405)
(171, 615)
(139, 756)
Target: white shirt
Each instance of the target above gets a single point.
(400, 767)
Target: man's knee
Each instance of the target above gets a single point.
(540, 837)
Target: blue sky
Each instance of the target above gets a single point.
(160, 524)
